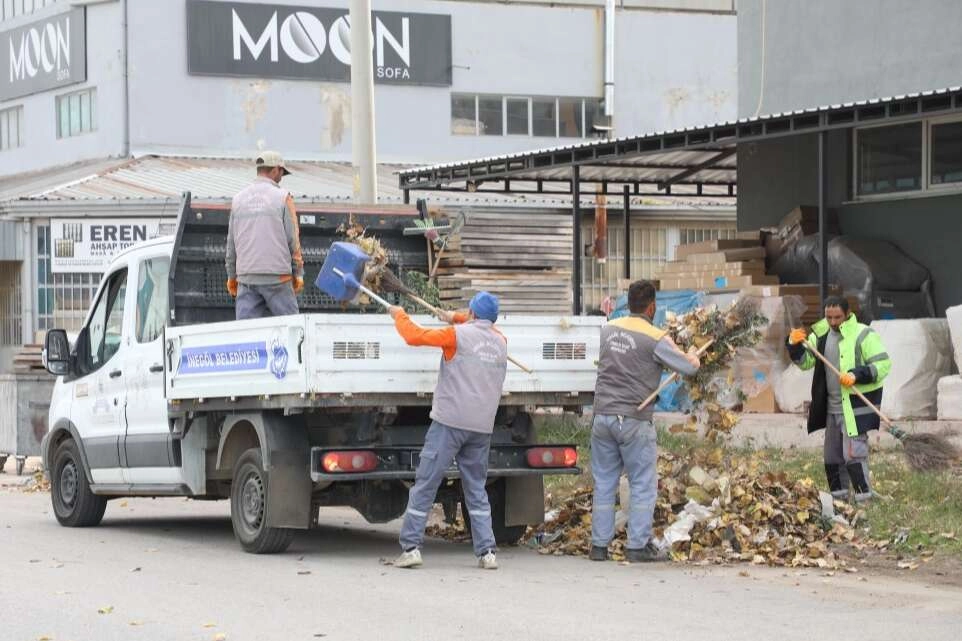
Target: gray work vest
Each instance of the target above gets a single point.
(627, 370)
(257, 225)
(470, 384)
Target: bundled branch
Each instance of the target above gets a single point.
(737, 327)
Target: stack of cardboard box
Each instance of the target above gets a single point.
(716, 264)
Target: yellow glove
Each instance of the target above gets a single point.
(797, 337)
(298, 285)
(847, 379)
(232, 287)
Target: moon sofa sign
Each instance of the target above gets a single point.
(311, 43)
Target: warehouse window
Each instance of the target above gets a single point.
(547, 117)
(62, 299)
(10, 9)
(916, 157)
(11, 128)
(76, 113)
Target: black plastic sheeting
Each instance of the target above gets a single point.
(198, 291)
(887, 283)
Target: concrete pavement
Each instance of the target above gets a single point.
(172, 567)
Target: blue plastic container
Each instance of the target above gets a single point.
(349, 259)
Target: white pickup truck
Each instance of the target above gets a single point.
(162, 395)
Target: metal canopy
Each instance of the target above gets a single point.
(698, 161)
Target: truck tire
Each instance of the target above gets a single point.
(74, 504)
(503, 534)
(248, 508)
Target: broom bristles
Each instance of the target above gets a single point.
(391, 283)
(930, 452)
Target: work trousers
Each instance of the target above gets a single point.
(443, 446)
(258, 301)
(846, 458)
(622, 443)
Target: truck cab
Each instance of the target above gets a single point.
(162, 394)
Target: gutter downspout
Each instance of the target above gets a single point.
(126, 142)
(610, 64)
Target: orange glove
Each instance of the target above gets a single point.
(232, 287)
(797, 336)
(298, 284)
(847, 379)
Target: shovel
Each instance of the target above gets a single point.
(924, 451)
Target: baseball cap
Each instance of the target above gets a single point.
(270, 159)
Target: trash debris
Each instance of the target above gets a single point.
(105, 610)
(749, 515)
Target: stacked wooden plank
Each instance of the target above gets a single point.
(523, 259)
(28, 359)
(716, 264)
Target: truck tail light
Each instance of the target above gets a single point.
(349, 461)
(552, 457)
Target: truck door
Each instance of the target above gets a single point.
(147, 443)
(99, 391)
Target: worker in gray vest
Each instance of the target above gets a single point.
(473, 366)
(265, 269)
(632, 357)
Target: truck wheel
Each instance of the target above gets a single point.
(503, 534)
(248, 508)
(73, 503)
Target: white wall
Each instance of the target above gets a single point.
(104, 71)
(673, 69)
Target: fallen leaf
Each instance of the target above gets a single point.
(947, 535)
(303, 572)
(907, 565)
(135, 623)
(220, 636)
(123, 504)
(105, 610)
(743, 573)
(151, 550)
(136, 569)
(210, 625)
(44, 638)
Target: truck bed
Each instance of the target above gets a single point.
(348, 359)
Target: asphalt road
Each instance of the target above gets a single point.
(170, 569)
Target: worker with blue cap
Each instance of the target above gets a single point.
(473, 366)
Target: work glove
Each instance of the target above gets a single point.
(298, 284)
(797, 337)
(232, 287)
(445, 316)
(395, 311)
(847, 379)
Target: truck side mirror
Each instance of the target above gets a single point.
(56, 352)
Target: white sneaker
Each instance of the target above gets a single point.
(488, 561)
(409, 559)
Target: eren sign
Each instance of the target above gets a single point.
(89, 245)
(310, 43)
(43, 55)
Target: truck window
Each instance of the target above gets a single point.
(152, 299)
(107, 321)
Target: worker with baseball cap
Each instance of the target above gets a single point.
(265, 269)
(466, 399)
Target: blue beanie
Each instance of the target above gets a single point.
(484, 306)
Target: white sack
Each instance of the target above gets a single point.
(793, 388)
(950, 398)
(921, 354)
(954, 317)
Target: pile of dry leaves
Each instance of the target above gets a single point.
(715, 506)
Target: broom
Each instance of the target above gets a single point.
(924, 451)
(391, 283)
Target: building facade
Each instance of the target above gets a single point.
(87, 87)
(900, 182)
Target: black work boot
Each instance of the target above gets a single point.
(598, 553)
(647, 554)
(834, 474)
(858, 473)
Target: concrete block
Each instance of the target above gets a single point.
(920, 350)
(950, 398)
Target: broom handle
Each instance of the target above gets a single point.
(817, 354)
(437, 312)
(671, 379)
